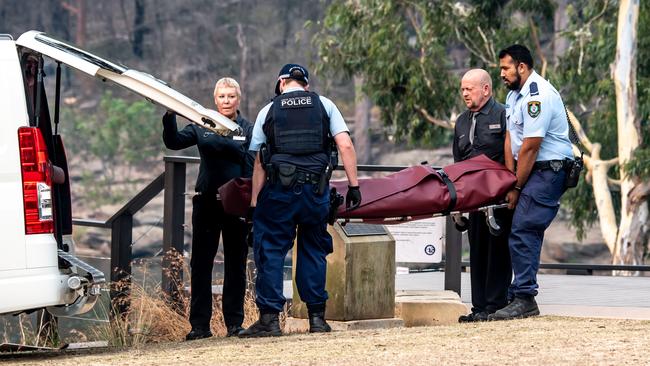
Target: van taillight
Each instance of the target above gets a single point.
(37, 182)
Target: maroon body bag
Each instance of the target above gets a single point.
(416, 192)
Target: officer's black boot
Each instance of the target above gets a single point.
(520, 307)
(267, 326)
(480, 316)
(317, 323)
(198, 333)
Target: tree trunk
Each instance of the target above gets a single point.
(361, 123)
(243, 62)
(603, 196)
(560, 23)
(139, 29)
(624, 73)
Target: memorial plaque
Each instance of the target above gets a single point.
(357, 229)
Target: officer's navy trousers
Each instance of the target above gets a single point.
(280, 211)
(538, 204)
(208, 222)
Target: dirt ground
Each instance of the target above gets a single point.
(537, 341)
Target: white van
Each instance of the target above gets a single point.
(38, 268)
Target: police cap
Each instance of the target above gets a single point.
(292, 71)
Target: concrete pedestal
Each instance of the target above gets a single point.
(360, 278)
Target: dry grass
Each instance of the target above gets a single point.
(153, 319)
(537, 341)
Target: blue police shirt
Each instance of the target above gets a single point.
(337, 124)
(536, 110)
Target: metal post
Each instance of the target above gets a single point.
(121, 240)
(173, 227)
(453, 254)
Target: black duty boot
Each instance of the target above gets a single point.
(520, 307)
(473, 317)
(233, 330)
(317, 323)
(267, 326)
(198, 333)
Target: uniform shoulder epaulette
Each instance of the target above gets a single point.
(533, 89)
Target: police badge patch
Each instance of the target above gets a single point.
(534, 108)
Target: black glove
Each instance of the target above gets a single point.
(353, 198)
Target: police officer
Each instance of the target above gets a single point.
(293, 136)
(539, 150)
(481, 129)
(222, 158)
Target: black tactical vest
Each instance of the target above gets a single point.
(297, 129)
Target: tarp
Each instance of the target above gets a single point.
(416, 192)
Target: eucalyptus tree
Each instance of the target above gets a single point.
(410, 53)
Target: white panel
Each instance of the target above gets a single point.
(419, 241)
(156, 91)
(13, 114)
(41, 251)
(30, 289)
(28, 40)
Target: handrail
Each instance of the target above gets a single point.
(141, 198)
(121, 225)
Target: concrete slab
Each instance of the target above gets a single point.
(297, 325)
(424, 308)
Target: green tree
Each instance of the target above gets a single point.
(122, 137)
(404, 51)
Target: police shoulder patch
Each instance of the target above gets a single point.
(534, 108)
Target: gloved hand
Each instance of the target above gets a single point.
(353, 198)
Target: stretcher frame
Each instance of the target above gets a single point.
(490, 219)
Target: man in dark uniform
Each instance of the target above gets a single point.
(538, 146)
(481, 129)
(222, 159)
(294, 135)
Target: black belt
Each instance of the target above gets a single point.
(300, 178)
(556, 165)
(452, 191)
(307, 178)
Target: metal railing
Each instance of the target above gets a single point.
(173, 181)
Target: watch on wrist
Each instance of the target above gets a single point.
(518, 189)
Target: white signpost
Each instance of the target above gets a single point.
(419, 241)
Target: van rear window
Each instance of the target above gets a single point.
(89, 57)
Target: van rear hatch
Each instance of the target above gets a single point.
(142, 83)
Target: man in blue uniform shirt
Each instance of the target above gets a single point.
(293, 137)
(539, 151)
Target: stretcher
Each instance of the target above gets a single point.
(418, 192)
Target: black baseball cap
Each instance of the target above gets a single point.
(292, 71)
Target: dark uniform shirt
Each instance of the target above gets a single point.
(222, 157)
(489, 133)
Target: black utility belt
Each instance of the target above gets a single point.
(555, 165)
(295, 178)
(289, 176)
